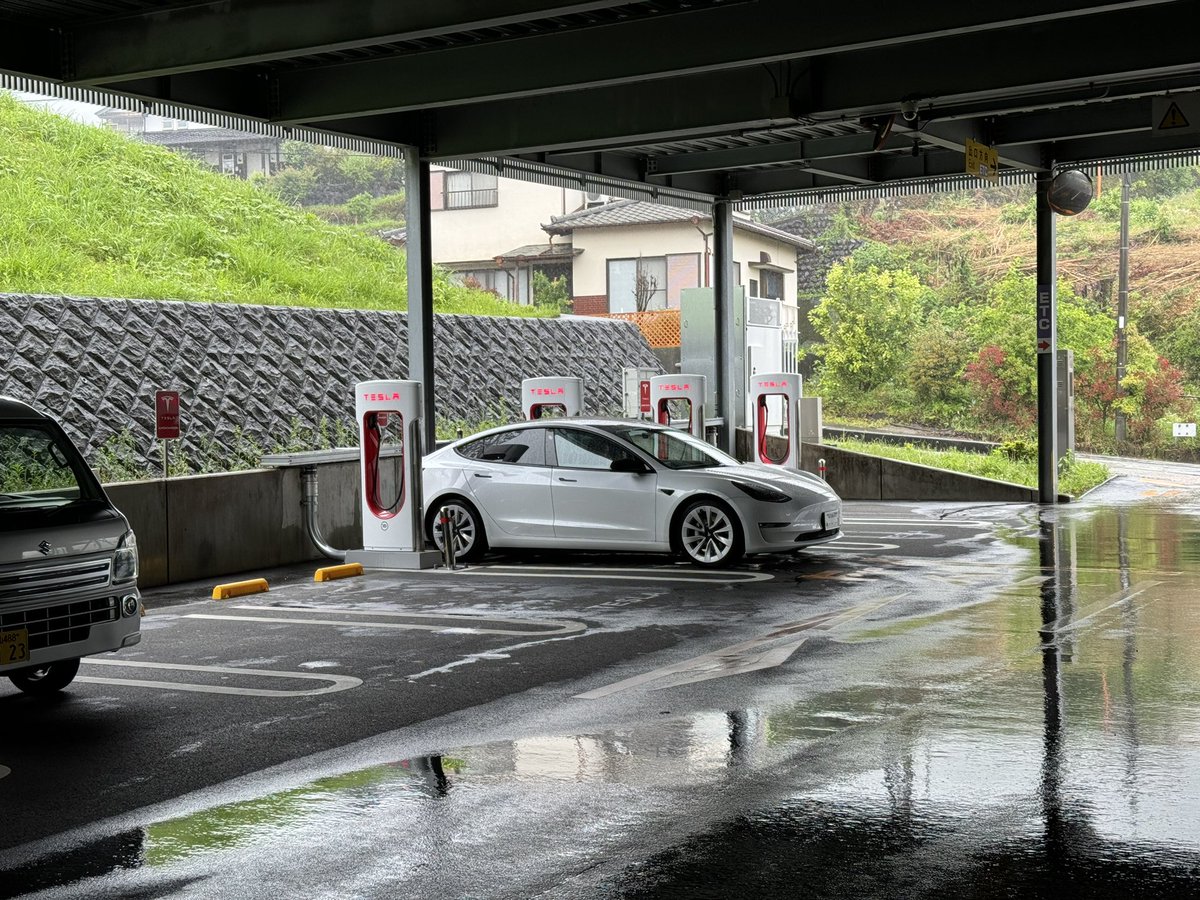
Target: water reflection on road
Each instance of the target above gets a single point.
(1042, 741)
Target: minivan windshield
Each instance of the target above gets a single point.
(36, 470)
(674, 449)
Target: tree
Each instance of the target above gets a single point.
(644, 287)
(937, 367)
(1151, 390)
(551, 292)
(1096, 386)
(992, 377)
(865, 321)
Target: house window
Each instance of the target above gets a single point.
(683, 272)
(639, 282)
(772, 284)
(470, 190)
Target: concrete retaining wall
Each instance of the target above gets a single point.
(257, 373)
(211, 525)
(857, 476)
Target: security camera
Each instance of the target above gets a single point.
(908, 109)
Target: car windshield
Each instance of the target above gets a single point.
(36, 470)
(674, 449)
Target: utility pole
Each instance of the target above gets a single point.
(1119, 428)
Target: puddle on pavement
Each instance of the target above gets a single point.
(1045, 742)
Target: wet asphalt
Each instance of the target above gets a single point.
(955, 700)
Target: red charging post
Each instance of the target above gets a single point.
(166, 420)
(644, 396)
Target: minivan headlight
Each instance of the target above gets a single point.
(125, 560)
(762, 492)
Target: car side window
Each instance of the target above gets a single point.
(587, 450)
(526, 448)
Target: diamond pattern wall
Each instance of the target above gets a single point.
(95, 363)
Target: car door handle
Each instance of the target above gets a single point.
(481, 475)
(571, 480)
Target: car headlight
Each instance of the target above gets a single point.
(125, 560)
(762, 492)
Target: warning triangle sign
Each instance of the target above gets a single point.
(1174, 118)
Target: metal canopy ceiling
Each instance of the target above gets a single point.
(762, 101)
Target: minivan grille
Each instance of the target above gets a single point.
(42, 579)
(52, 626)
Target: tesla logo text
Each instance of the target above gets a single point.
(547, 392)
(766, 384)
(674, 387)
(44, 546)
(373, 397)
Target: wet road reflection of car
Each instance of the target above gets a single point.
(618, 485)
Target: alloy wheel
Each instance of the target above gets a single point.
(707, 534)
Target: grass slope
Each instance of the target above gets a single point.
(87, 211)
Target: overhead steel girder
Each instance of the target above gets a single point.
(219, 34)
(953, 135)
(744, 99)
(31, 50)
(681, 44)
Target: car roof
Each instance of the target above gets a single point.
(11, 408)
(559, 421)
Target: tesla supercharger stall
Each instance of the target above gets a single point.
(547, 397)
(775, 404)
(389, 419)
(676, 397)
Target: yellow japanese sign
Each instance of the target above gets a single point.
(982, 161)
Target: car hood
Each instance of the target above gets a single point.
(774, 476)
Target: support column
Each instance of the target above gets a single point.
(728, 319)
(1047, 344)
(420, 287)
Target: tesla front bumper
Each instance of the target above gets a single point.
(817, 523)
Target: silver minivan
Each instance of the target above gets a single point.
(68, 559)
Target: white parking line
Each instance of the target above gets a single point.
(927, 523)
(589, 572)
(857, 546)
(462, 624)
(334, 683)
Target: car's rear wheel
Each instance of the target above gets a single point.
(470, 541)
(45, 680)
(708, 533)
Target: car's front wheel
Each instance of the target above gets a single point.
(470, 541)
(708, 533)
(45, 680)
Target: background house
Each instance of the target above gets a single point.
(488, 229)
(237, 153)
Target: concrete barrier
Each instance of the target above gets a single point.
(205, 526)
(859, 476)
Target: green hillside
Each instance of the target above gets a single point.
(926, 316)
(87, 211)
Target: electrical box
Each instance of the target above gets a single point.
(1066, 402)
(635, 392)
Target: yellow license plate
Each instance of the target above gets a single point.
(14, 646)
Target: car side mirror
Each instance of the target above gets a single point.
(629, 464)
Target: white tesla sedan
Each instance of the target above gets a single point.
(600, 484)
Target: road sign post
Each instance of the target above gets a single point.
(166, 421)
